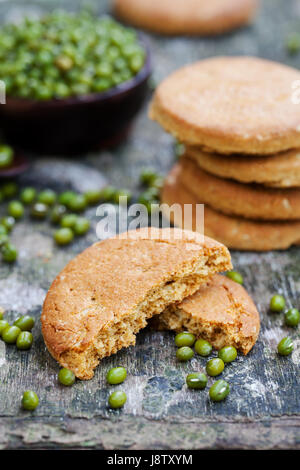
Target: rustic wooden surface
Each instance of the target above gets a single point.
(262, 410)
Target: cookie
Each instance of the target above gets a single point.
(281, 170)
(186, 17)
(105, 295)
(221, 312)
(235, 232)
(245, 200)
(231, 105)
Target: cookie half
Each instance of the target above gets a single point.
(221, 312)
(231, 105)
(281, 170)
(245, 200)
(186, 17)
(235, 232)
(105, 295)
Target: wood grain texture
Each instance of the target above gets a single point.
(263, 408)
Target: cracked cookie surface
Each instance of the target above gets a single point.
(281, 170)
(188, 17)
(235, 232)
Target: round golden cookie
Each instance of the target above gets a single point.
(235, 232)
(281, 170)
(245, 200)
(231, 105)
(105, 295)
(186, 17)
(221, 311)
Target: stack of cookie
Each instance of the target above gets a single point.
(105, 295)
(241, 130)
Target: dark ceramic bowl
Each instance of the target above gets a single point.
(76, 124)
(19, 166)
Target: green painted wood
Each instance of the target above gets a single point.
(262, 410)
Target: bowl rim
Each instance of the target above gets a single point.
(118, 90)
